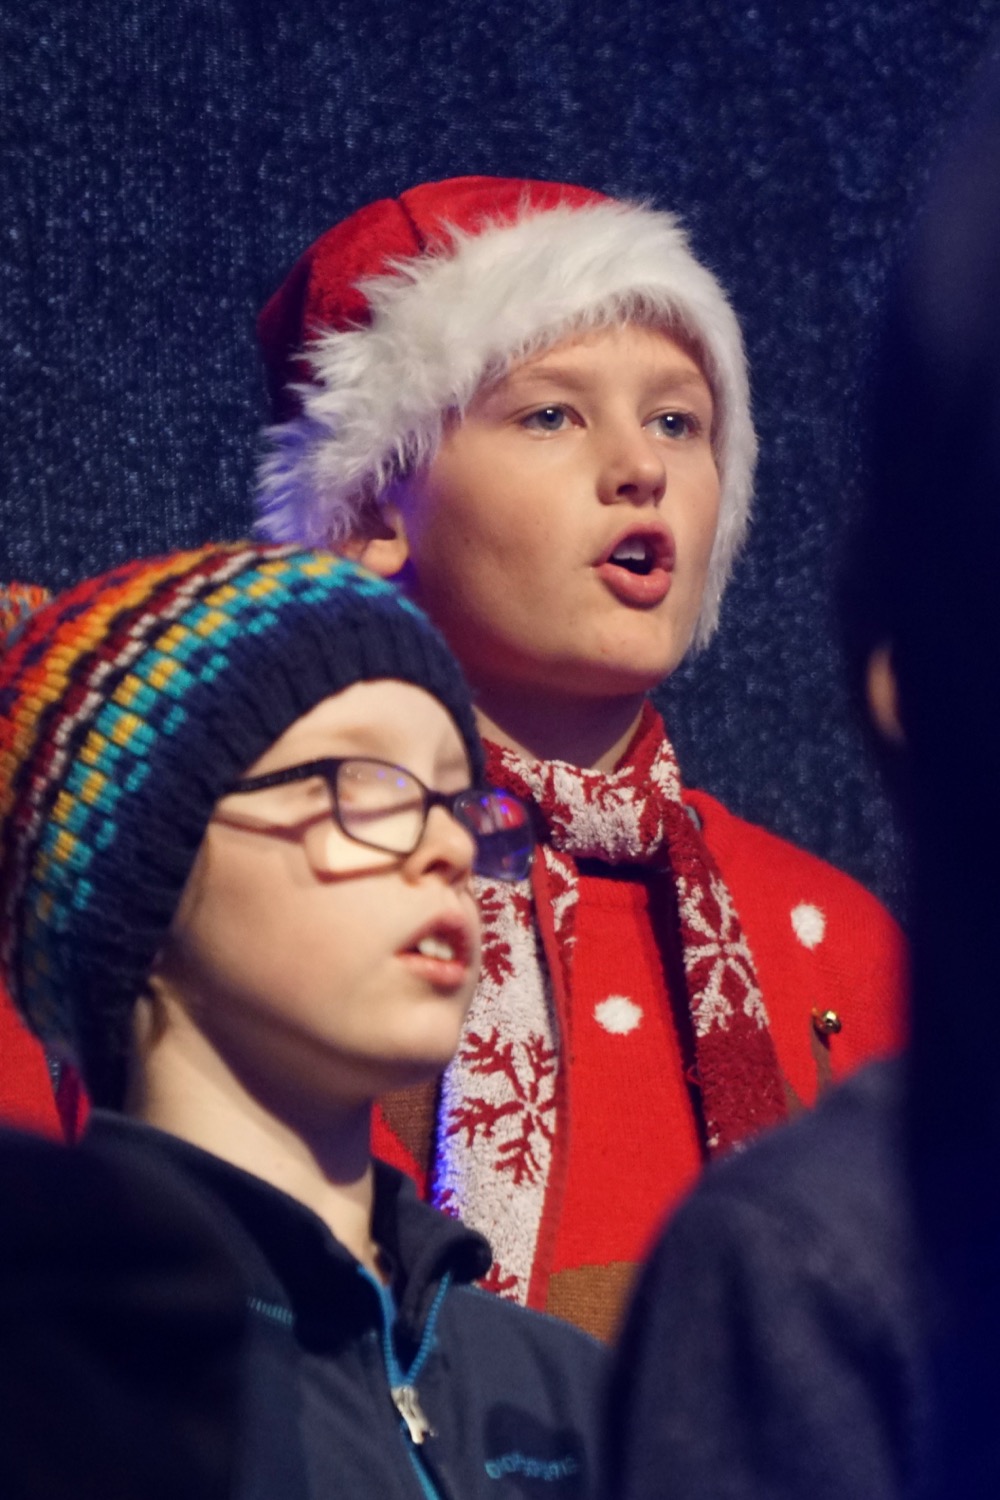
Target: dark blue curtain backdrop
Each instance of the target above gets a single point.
(164, 161)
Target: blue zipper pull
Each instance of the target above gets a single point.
(407, 1403)
(403, 1383)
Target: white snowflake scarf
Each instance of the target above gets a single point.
(500, 1132)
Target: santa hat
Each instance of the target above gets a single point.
(394, 317)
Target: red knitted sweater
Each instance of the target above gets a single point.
(824, 947)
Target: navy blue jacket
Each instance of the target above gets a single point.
(121, 1329)
(777, 1347)
(491, 1400)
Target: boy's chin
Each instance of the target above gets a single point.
(616, 674)
(420, 1061)
(626, 666)
(612, 680)
(414, 1073)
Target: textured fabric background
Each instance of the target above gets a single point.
(164, 161)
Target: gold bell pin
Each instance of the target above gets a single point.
(827, 1022)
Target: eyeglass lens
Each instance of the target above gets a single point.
(502, 832)
(380, 804)
(385, 806)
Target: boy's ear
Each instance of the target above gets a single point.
(882, 695)
(382, 545)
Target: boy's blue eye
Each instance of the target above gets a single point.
(677, 424)
(547, 419)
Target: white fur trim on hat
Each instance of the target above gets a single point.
(442, 321)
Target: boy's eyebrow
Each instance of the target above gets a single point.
(366, 743)
(350, 740)
(665, 380)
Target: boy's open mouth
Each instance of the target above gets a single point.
(437, 947)
(635, 554)
(641, 550)
(637, 568)
(441, 953)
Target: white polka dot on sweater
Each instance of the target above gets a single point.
(618, 1014)
(808, 924)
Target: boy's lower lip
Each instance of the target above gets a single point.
(442, 973)
(639, 589)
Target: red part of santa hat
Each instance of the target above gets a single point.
(395, 316)
(322, 292)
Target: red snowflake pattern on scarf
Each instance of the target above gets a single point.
(499, 1123)
(529, 1069)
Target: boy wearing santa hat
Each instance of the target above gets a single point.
(529, 404)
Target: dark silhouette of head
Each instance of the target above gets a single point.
(922, 577)
(923, 623)
(926, 557)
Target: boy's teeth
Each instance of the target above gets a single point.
(634, 554)
(633, 549)
(432, 947)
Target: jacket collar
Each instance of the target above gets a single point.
(286, 1250)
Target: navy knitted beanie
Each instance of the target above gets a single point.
(128, 706)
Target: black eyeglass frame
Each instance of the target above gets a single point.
(454, 803)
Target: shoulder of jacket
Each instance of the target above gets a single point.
(856, 1133)
(529, 1324)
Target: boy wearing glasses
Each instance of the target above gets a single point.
(242, 798)
(528, 403)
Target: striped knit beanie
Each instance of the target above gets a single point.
(128, 707)
(394, 317)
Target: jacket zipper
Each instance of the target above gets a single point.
(403, 1383)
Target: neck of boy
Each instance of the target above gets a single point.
(592, 734)
(325, 1164)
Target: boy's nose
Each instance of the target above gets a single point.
(633, 471)
(446, 847)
